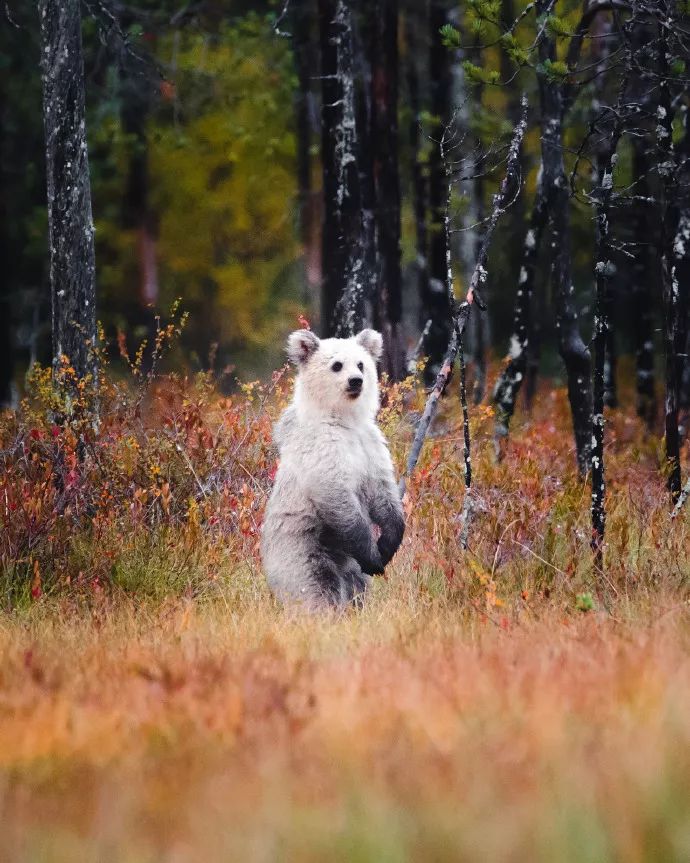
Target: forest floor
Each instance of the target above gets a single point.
(509, 703)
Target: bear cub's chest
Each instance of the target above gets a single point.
(354, 452)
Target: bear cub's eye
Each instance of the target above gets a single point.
(337, 366)
(360, 366)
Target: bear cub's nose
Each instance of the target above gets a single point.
(354, 383)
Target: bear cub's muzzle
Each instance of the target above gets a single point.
(354, 387)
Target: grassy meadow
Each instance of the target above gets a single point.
(504, 703)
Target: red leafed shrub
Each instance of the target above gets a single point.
(99, 477)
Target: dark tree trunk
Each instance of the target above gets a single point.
(533, 360)
(365, 47)
(6, 348)
(603, 269)
(601, 29)
(306, 68)
(6, 352)
(611, 361)
(436, 302)
(70, 223)
(419, 183)
(384, 74)
(343, 287)
(681, 254)
(571, 346)
(674, 304)
(641, 292)
(509, 383)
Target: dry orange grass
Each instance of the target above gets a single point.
(194, 734)
(508, 703)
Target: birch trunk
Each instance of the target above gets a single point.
(343, 288)
(70, 223)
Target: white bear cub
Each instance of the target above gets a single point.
(335, 488)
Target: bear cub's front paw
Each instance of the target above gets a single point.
(390, 539)
(374, 565)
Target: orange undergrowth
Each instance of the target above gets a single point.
(506, 703)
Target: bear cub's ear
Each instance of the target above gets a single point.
(301, 345)
(371, 341)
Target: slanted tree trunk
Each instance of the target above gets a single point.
(573, 350)
(343, 287)
(306, 68)
(384, 140)
(478, 336)
(436, 302)
(419, 182)
(70, 223)
(510, 381)
(512, 87)
(481, 336)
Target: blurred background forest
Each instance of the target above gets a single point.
(203, 125)
(193, 170)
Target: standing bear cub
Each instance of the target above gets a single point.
(335, 489)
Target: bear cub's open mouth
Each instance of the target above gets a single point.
(353, 394)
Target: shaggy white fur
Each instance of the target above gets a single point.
(335, 486)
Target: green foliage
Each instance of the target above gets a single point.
(557, 26)
(515, 51)
(555, 70)
(487, 10)
(450, 36)
(584, 602)
(477, 75)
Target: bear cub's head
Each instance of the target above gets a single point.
(336, 376)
